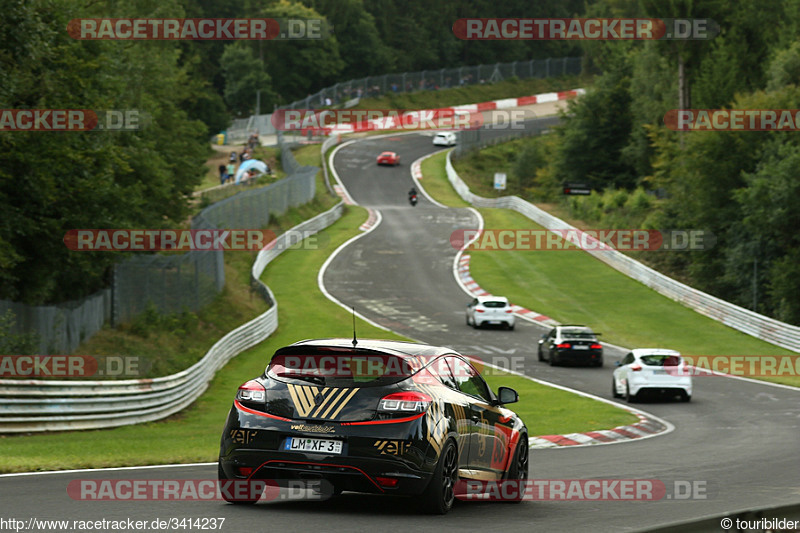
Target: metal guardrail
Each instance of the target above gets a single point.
(759, 326)
(45, 405)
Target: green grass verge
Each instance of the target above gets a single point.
(435, 181)
(574, 287)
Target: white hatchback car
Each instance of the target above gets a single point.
(655, 370)
(445, 138)
(490, 310)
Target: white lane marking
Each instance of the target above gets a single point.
(111, 469)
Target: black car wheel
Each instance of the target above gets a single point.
(438, 498)
(519, 468)
(686, 397)
(541, 357)
(552, 359)
(225, 493)
(630, 398)
(599, 362)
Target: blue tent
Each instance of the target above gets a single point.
(250, 164)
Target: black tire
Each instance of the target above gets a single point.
(511, 327)
(552, 360)
(614, 393)
(686, 397)
(630, 398)
(541, 357)
(599, 363)
(222, 478)
(440, 494)
(518, 471)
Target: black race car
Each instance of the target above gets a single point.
(380, 417)
(571, 344)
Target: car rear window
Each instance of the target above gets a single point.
(661, 360)
(577, 334)
(341, 368)
(494, 304)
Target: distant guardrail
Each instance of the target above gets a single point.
(759, 326)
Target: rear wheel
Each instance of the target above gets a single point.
(599, 362)
(686, 397)
(541, 357)
(552, 359)
(438, 498)
(614, 393)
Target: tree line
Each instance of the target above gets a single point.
(744, 187)
(51, 182)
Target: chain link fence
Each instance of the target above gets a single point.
(347, 94)
(170, 282)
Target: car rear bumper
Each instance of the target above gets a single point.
(369, 451)
(579, 356)
(671, 385)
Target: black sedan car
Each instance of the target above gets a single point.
(379, 417)
(571, 344)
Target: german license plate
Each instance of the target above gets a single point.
(304, 444)
(659, 371)
(580, 347)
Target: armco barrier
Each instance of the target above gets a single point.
(759, 326)
(45, 405)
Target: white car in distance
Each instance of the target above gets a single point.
(652, 370)
(445, 138)
(485, 310)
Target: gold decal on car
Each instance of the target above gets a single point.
(243, 436)
(392, 447)
(316, 402)
(312, 428)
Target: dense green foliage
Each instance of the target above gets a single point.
(51, 182)
(741, 186)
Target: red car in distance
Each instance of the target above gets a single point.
(388, 158)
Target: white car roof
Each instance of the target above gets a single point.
(639, 352)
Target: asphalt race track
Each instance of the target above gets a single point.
(737, 439)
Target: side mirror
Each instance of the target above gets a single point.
(507, 395)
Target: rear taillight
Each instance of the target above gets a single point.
(252, 391)
(564, 346)
(388, 482)
(596, 346)
(478, 310)
(405, 402)
(509, 310)
(636, 368)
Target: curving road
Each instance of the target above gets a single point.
(738, 438)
